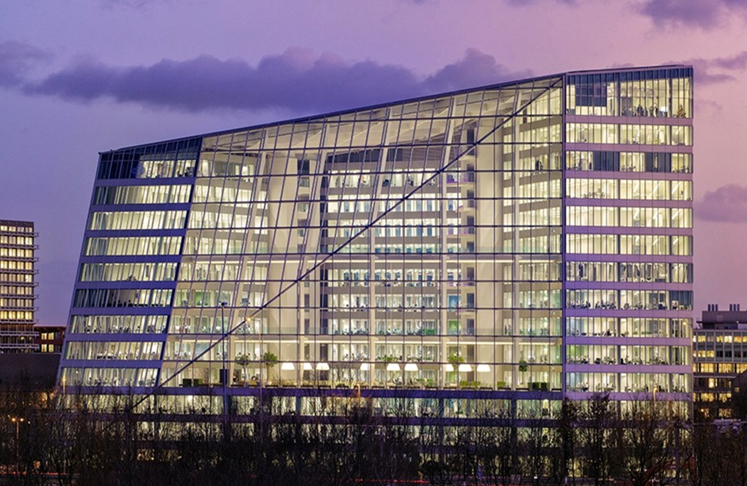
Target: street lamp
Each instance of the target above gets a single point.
(224, 371)
(261, 362)
(18, 421)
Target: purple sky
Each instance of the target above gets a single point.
(81, 77)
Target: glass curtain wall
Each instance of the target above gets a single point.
(532, 236)
(628, 218)
(128, 266)
(415, 245)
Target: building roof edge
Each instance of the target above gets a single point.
(347, 111)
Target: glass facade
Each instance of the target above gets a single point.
(531, 239)
(17, 287)
(720, 359)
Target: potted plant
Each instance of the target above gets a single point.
(243, 360)
(269, 360)
(455, 359)
(523, 365)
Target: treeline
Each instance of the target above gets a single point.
(110, 441)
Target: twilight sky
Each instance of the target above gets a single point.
(81, 77)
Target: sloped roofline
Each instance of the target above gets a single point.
(347, 111)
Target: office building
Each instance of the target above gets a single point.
(17, 286)
(49, 339)
(525, 242)
(720, 356)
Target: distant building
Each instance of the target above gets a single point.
(720, 355)
(37, 369)
(50, 338)
(17, 287)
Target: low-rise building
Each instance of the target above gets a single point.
(50, 338)
(720, 355)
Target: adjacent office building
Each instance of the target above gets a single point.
(720, 354)
(49, 339)
(17, 287)
(526, 242)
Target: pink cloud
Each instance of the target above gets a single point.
(727, 204)
(694, 13)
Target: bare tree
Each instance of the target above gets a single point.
(719, 455)
(390, 442)
(438, 465)
(495, 445)
(648, 443)
(598, 423)
(564, 442)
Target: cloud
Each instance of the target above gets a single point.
(297, 80)
(708, 107)
(16, 59)
(738, 61)
(720, 69)
(475, 69)
(692, 13)
(727, 204)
